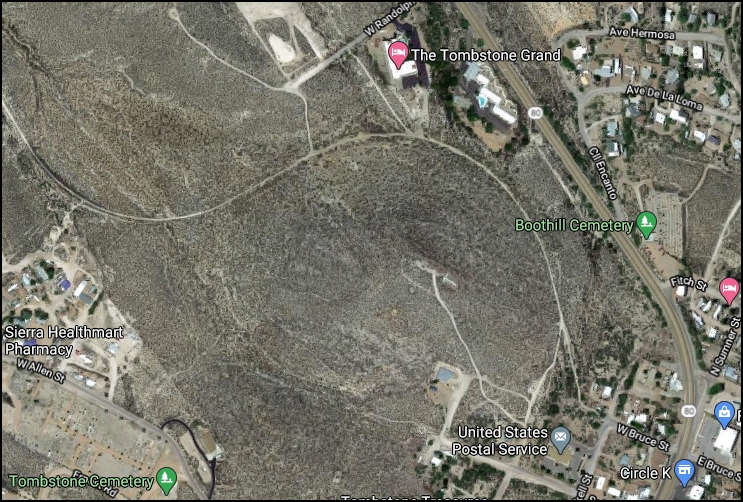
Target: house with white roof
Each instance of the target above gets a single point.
(697, 56)
(642, 418)
(579, 52)
(617, 66)
(718, 310)
(696, 492)
(678, 116)
(614, 492)
(600, 481)
(80, 288)
(668, 16)
(675, 384)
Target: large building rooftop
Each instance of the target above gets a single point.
(725, 441)
(406, 69)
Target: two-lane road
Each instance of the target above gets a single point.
(676, 326)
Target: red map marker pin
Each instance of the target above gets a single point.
(398, 53)
(729, 289)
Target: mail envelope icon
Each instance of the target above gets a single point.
(561, 436)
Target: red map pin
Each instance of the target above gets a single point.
(398, 53)
(729, 289)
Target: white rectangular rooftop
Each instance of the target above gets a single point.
(504, 115)
(80, 288)
(490, 96)
(725, 440)
(482, 79)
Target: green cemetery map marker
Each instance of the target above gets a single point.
(646, 222)
(166, 479)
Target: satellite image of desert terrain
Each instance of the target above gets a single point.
(371, 251)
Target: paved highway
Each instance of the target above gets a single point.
(676, 326)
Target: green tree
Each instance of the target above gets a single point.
(683, 15)
(716, 388)
(471, 113)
